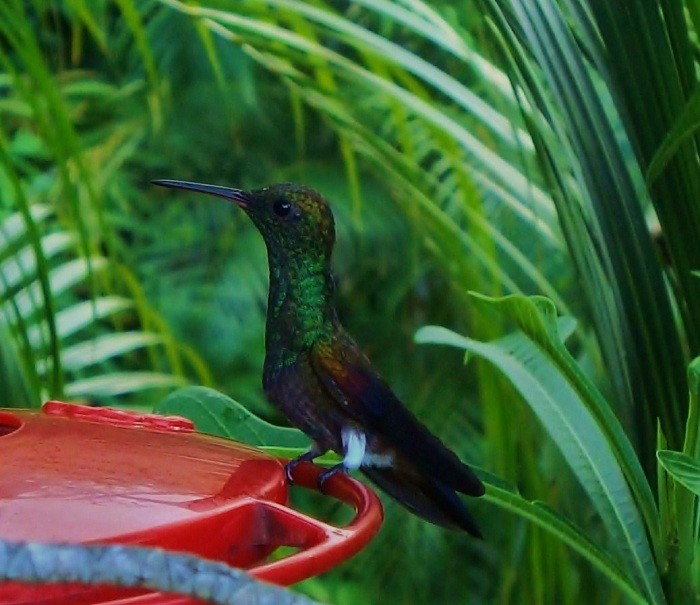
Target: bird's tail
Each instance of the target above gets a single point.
(425, 496)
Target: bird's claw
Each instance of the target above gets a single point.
(307, 457)
(289, 469)
(292, 464)
(326, 475)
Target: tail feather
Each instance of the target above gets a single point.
(429, 498)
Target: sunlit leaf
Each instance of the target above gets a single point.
(104, 347)
(82, 315)
(119, 383)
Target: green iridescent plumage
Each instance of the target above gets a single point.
(318, 376)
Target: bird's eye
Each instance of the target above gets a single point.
(282, 207)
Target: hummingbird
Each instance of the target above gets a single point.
(320, 379)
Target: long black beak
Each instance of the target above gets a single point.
(238, 196)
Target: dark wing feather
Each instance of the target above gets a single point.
(424, 496)
(364, 396)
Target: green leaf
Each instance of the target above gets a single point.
(120, 383)
(13, 229)
(503, 495)
(602, 212)
(536, 316)
(216, 414)
(682, 468)
(21, 266)
(691, 445)
(685, 127)
(62, 278)
(545, 383)
(15, 391)
(104, 347)
(80, 316)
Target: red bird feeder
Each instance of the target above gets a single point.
(86, 475)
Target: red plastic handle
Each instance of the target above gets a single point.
(322, 545)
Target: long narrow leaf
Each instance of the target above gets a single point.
(537, 318)
(575, 431)
(119, 383)
(538, 513)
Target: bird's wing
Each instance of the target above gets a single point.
(362, 393)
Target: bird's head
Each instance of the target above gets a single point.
(292, 219)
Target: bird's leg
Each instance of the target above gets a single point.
(354, 446)
(326, 475)
(314, 452)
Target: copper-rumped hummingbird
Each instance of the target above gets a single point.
(318, 377)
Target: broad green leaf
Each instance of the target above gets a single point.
(682, 468)
(216, 414)
(536, 316)
(560, 408)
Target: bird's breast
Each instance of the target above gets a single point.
(292, 386)
(296, 391)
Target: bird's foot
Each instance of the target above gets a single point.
(326, 475)
(292, 464)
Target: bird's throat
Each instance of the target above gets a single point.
(301, 306)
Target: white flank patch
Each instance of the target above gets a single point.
(380, 460)
(354, 444)
(356, 454)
